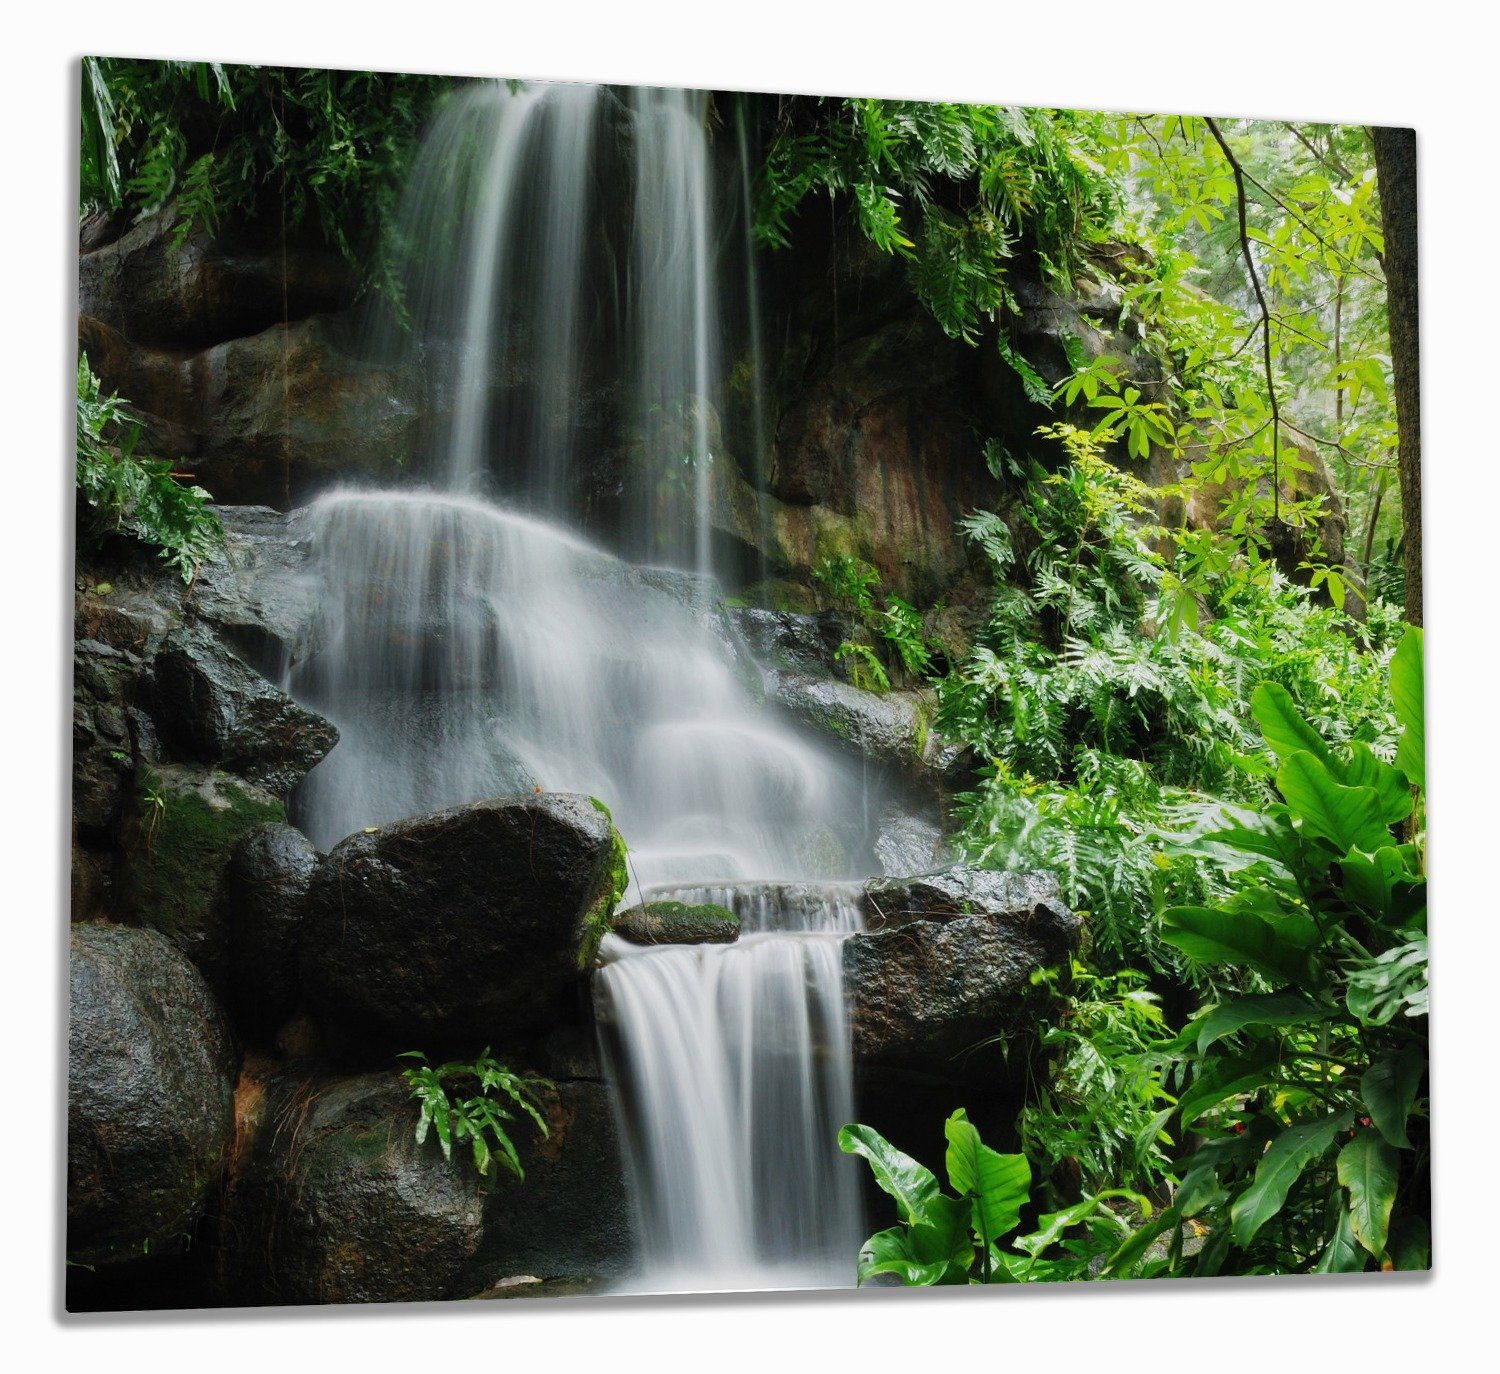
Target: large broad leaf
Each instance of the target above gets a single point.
(934, 1250)
(1263, 1009)
(1365, 770)
(1383, 885)
(911, 1184)
(998, 1185)
(1280, 1167)
(1389, 1088)
(1282, 724)
(1367, 1168)
(1409, 1245)
(1208, 936)
(890, 1252)
(1343, 1254)
(1408, 694)
(1348, 817)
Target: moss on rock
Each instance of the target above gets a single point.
(678, 923)
(185, 823)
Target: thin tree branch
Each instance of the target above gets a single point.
(1265, 314)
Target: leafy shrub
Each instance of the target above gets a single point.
(957, 191)
(473, 1102)
(230, 142)
(126, 493)
(1306, 1083)
(1099, 1117)
(882, 620)
(1109, 691)
(969, 1238)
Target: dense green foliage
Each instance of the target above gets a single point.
(1109, 689)
(958, 191)
(973, 1236)
(473, 1102)
(122, 492)
(227, 143)
(1186, 701)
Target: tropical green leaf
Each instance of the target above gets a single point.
(1368, 1168)
(998, 1185)
(1407, 692)
(1349, 817)
(912, 1185)
(1343, 1254)
(1389, 1088)
(1282, 1164)
(1208, 936)
(1260, 1009)
(1282, 724)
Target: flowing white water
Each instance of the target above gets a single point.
(470, 650)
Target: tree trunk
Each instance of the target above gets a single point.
(1396, 171)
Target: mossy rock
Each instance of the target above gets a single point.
(678, 923)
(185, 824)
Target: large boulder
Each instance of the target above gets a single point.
(334, 1201)
(150, 1095)
(465, 923)
(211, 706)
(184, 824)
(891, 728)
(947, 966)
(265, 887)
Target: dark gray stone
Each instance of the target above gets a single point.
(334, 1201)
(472, 921)
(570, 1218)
(265, 887)
(150, 1095)
(947, 967)
(212, 706)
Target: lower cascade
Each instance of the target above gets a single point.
(731, 1067)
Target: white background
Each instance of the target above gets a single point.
(1430, 65)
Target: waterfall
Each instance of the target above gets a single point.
(566, 240)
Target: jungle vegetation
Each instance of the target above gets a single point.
(1216, 745)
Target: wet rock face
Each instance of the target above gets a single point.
(334, 1201)
(677, 923)
(150, 1095)
(270, 417)
(468, 922)
(185, 823)
(796, 643)
(947, 965)
(570, 1217)
(210, 705)
(103, 679)
(265, 887)
(203, 290)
